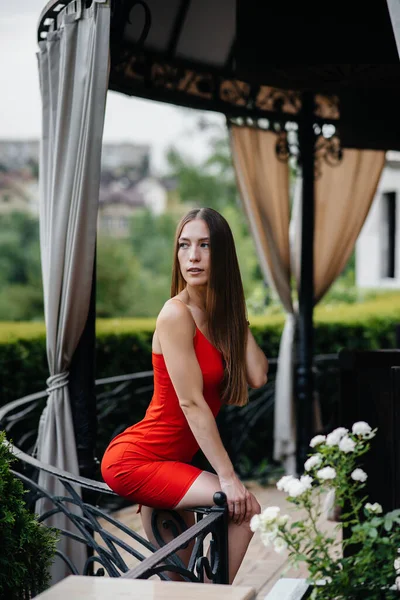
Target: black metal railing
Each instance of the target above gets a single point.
(246, 432)
(215, 566)
(109, 542)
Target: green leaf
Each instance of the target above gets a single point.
(388, 523)
(373, 533)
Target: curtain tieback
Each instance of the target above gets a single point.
(56, 382)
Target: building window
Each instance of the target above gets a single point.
(388, 240)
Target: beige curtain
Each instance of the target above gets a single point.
(263, 183)
(73, 79)
(343, 196)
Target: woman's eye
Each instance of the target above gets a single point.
(182, 245)
(205, 245)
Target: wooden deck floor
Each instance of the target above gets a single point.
(262, 567)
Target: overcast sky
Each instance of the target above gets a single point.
(127, 119)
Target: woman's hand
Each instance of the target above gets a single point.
(238, 497)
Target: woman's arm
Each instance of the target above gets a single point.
(256, 363)
(175, 330)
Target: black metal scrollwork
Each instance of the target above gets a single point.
(327, 150)
(285, 125)
(106, 538)
(214, 522)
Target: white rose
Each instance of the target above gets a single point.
(397, 565)
(283, 482)
(359, 475)
(318, 439)
(324, 581)
(279, 545)
(374, 508)
(363, 429)
(333, 438)
(297, 487)
(346, 444)
(398, 583)
(267, 537)
(326, 473)
(283, 520)
(306, 481)
(313, 461)
(269, 515)
(255, 522)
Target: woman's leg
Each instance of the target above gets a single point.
(201, 493)
(146, 514)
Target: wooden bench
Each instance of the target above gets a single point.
(104, 588)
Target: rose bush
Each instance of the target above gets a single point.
(367, 563)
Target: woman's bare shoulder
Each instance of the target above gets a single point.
(175, 313)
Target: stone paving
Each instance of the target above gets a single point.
(262, 566)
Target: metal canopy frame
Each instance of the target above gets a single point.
(166, 77)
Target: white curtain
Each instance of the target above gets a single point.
(73, 63)
(343, 196)
(394, 11)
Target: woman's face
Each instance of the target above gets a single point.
(194, 252)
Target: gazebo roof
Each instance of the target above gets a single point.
(189, 53)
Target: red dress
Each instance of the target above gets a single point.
(149, 462)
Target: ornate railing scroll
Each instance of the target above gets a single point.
(104, 546)
(214, 567)
(112, 545)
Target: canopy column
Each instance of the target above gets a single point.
(304, 376)
(82, 391)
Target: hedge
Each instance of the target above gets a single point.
(124, 345)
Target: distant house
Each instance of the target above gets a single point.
(17, 154)
(131, 158)
(126, 183)
(121, 197)
(18, 192)
(378, 245)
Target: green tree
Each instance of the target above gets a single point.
(210, 182)
(19, 249)
(21, 294)
(152, 238)
(117, 278)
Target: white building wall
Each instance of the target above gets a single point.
(370, 244)
(154, 195)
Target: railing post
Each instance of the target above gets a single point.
(221, 530)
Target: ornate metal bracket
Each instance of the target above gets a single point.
(286, 127)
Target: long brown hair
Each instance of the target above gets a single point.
(225, 303)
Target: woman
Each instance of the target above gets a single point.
(203, 355)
